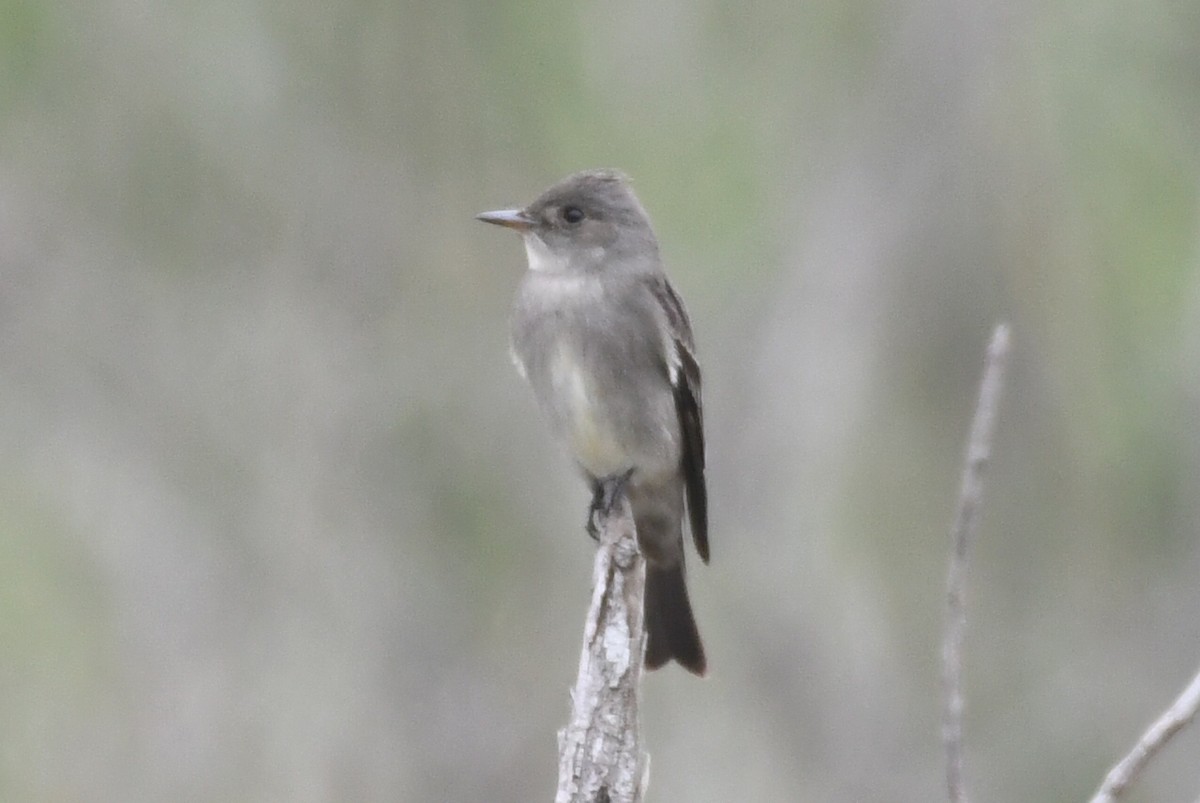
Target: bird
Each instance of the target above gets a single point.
(606, 345)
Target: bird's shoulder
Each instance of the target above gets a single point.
(672, 308)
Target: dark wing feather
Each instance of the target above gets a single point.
(686, 387)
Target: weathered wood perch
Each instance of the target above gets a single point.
(600, 759)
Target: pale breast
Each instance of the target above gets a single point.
(597, 375)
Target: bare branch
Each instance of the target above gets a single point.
(966, 522)
(600, 757)
(1173, 720)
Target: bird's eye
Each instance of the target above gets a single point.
(572, 214)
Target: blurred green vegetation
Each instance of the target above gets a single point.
(278, 521)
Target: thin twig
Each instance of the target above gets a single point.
(1173, 720)
(600, 756)
(966, 521)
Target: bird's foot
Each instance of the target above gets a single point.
(606, 491)
(594, 510)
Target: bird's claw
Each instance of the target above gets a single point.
(606, 492)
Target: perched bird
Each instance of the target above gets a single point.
(605, 343)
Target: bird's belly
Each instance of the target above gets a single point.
(585, 422)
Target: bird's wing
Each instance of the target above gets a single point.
(684, 373)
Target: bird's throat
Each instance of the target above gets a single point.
(541, 258)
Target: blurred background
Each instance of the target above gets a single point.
(278, 520)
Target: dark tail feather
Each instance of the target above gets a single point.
(670, 627)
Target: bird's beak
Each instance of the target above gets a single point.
(510, 218)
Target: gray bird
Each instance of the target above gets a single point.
(605, 343)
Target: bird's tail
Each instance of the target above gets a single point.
(670, 627)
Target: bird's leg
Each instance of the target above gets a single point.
(606, 491)
(614, 487)
(594, 509)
